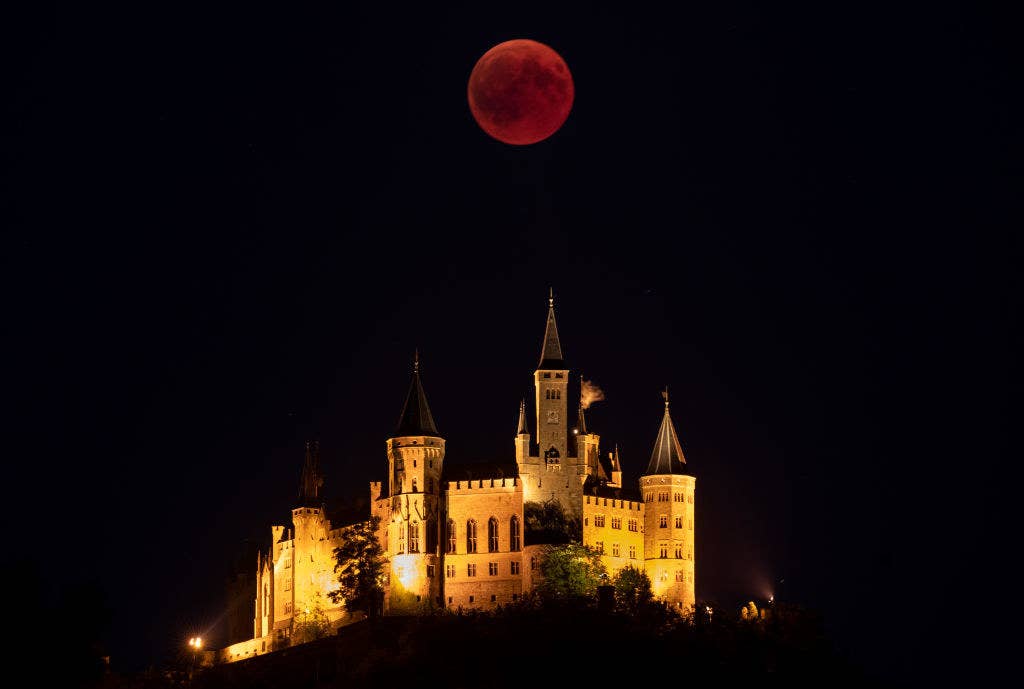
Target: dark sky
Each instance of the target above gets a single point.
(227, 230)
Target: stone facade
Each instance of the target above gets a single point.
(454, 534)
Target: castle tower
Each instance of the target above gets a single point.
(551, 382)
(588, 447)
(415, 460)
(312, 558)
(555, 473)
(522, 435)
(667, 488)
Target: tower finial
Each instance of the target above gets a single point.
(664, 394)
(416, 360)
(551, 297)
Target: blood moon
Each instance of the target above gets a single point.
(520, 91)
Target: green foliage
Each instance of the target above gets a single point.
(359, 564)
(571, 571)
(547, 523)
(632, 589)
(310, 623)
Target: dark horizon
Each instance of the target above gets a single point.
(230, 230)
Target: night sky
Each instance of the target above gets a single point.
(226, 231)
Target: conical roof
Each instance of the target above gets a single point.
(416, 418)
(522, 430)
(551, 350)
(667, 457)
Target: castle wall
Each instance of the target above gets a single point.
(498, 575)
(616, 527)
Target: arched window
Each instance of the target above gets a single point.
(451, 536)
(492, 535)
(471, 536)
(414, 536)
(401, 538)
(414, 488)
(515, 543)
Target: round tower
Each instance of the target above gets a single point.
(667, 488)
(415, 460)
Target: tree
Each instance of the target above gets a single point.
(311, 623)
(571, 571)
(359, 564)
(632, 589)
(546, 522)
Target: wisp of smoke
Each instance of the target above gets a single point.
(589, 394)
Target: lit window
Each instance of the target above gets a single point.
(514, 567)
(515, 543)
(451, 535)
(492, 535)
(471, 570)
(615, 549)
(632, 525)
(679, 522)
(492, 568)
(663, 521)
(401, 538)
(414, 537)
(616, 522)
(471, 536)
(632, 552)
(449, 571)
(598, 520)
(600, 547)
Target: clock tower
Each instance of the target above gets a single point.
(551, 380)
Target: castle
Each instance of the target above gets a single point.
(454, 533)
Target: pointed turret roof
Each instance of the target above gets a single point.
(416, 418)
(581, 425)
(309, 484)
(667, 457)
(551, 350)
(522, 430)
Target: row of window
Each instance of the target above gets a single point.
(400, 463)
(616, 551)
(616, 522)
(548, 375)
(663, 552)
(552, 394)
(514, 535)
(663, 496)
(415, 485)
(663, 522)
(472, 599)
(492, 569)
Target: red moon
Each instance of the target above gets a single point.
(520, 92)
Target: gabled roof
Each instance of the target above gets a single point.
(667, 457)
(416, 418)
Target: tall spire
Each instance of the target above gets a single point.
(616, 464)
(551, 351)
(667, 457)
(581, 426)
(309, 484)
(522, 430)
(416, 418)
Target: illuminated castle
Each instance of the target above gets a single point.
(454, 533)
